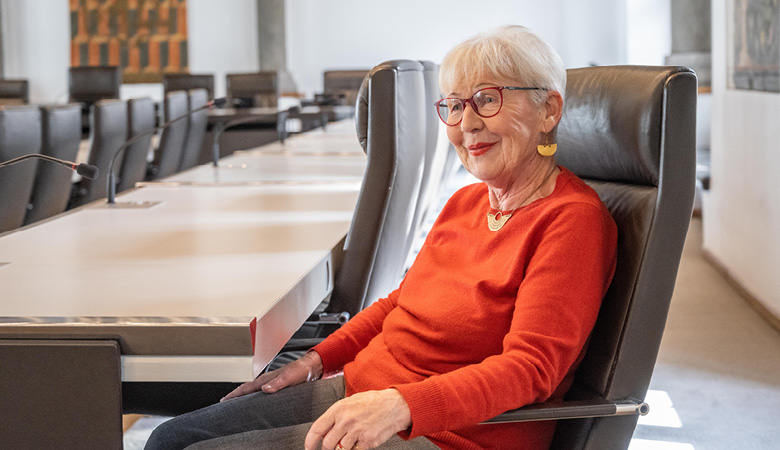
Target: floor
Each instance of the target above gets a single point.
(717, 380)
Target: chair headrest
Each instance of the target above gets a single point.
(361, 106)
(611, 127)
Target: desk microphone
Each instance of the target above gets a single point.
(217, 102)
(87, 171)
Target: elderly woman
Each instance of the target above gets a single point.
(493, 315)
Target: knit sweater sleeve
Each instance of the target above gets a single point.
(556, 307)
(341, 346)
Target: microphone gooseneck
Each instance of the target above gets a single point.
(85, 170)
(218, 102)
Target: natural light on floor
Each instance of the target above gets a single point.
(662, 414)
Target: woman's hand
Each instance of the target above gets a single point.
(364, 420)
(307, 368)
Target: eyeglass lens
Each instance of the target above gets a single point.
(486, 102)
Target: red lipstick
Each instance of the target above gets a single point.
(480, 148)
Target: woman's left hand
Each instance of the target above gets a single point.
(364, 420)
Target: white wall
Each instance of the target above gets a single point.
(36, 44)
(741, 212)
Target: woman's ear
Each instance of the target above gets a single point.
(553, 110)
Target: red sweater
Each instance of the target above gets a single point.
(486, 321)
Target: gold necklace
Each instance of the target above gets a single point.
(496, 221)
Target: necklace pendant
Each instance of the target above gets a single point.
(496, 221)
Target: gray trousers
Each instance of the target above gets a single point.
(260, 421)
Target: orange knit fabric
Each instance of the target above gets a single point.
(486, 321)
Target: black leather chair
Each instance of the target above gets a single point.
(141, 117)
(61, 135)
(629, 132)
(20, 134)
(196, 129)
(341, 87)
(14, 92)
(168, 155)
(186, 81)
(88, 84)
(109, 132)
(257, 89)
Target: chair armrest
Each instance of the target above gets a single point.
(576, 409)
(300, 344)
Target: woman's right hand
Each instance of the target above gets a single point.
(307, 368)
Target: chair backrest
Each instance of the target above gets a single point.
(61, 135)
(629, 132)
(391, 128)
(432, 163)
(168, 155)
(14, 92)
(343, 84)
(141, 118)
(20, 134)
(89, 84)
(258, 89)
(196, 130)
(109, 132)
(187, 81)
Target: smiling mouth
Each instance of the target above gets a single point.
(480, 148)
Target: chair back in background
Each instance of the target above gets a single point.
(168, 155)
(257, 89)
(342, 86)
(109, 132)
(61, 136)
(14, 92)
(196, 130)
(629, 132)
(89, 84)
(141, 117)
(20, 134)
(391, 127)
(187, 81)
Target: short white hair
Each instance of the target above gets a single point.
(511, 52)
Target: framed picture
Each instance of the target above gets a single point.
(146, 38)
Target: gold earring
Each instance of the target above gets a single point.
(549, 148)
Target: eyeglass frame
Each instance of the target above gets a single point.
(464, 101)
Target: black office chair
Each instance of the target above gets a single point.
(61, 135)
(20, 134)
(257, 89)
(88, 84)
(629, 132)
(109, 132)
(196, 129)
(167, 158)
(14, 92)
(141, 118)
(186, 81)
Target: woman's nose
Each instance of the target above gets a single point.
(471, 120)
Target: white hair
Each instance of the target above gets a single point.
(511, 52)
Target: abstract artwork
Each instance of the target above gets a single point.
(146, 38)
(754, 45)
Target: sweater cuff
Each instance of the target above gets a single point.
(332, 352)
(426, 403)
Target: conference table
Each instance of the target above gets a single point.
(161, 286)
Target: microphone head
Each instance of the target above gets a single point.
(87, 171)
(219, 102)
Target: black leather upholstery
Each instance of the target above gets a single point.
(196, 130)
(109, 132)
(14, 92)
(20, 134)
(629, 131)
(187, 81)
(88, 84)
(61, 135)
(168, 156)
(141, 117)
(391, 127)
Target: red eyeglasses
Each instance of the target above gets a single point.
(486, 103)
